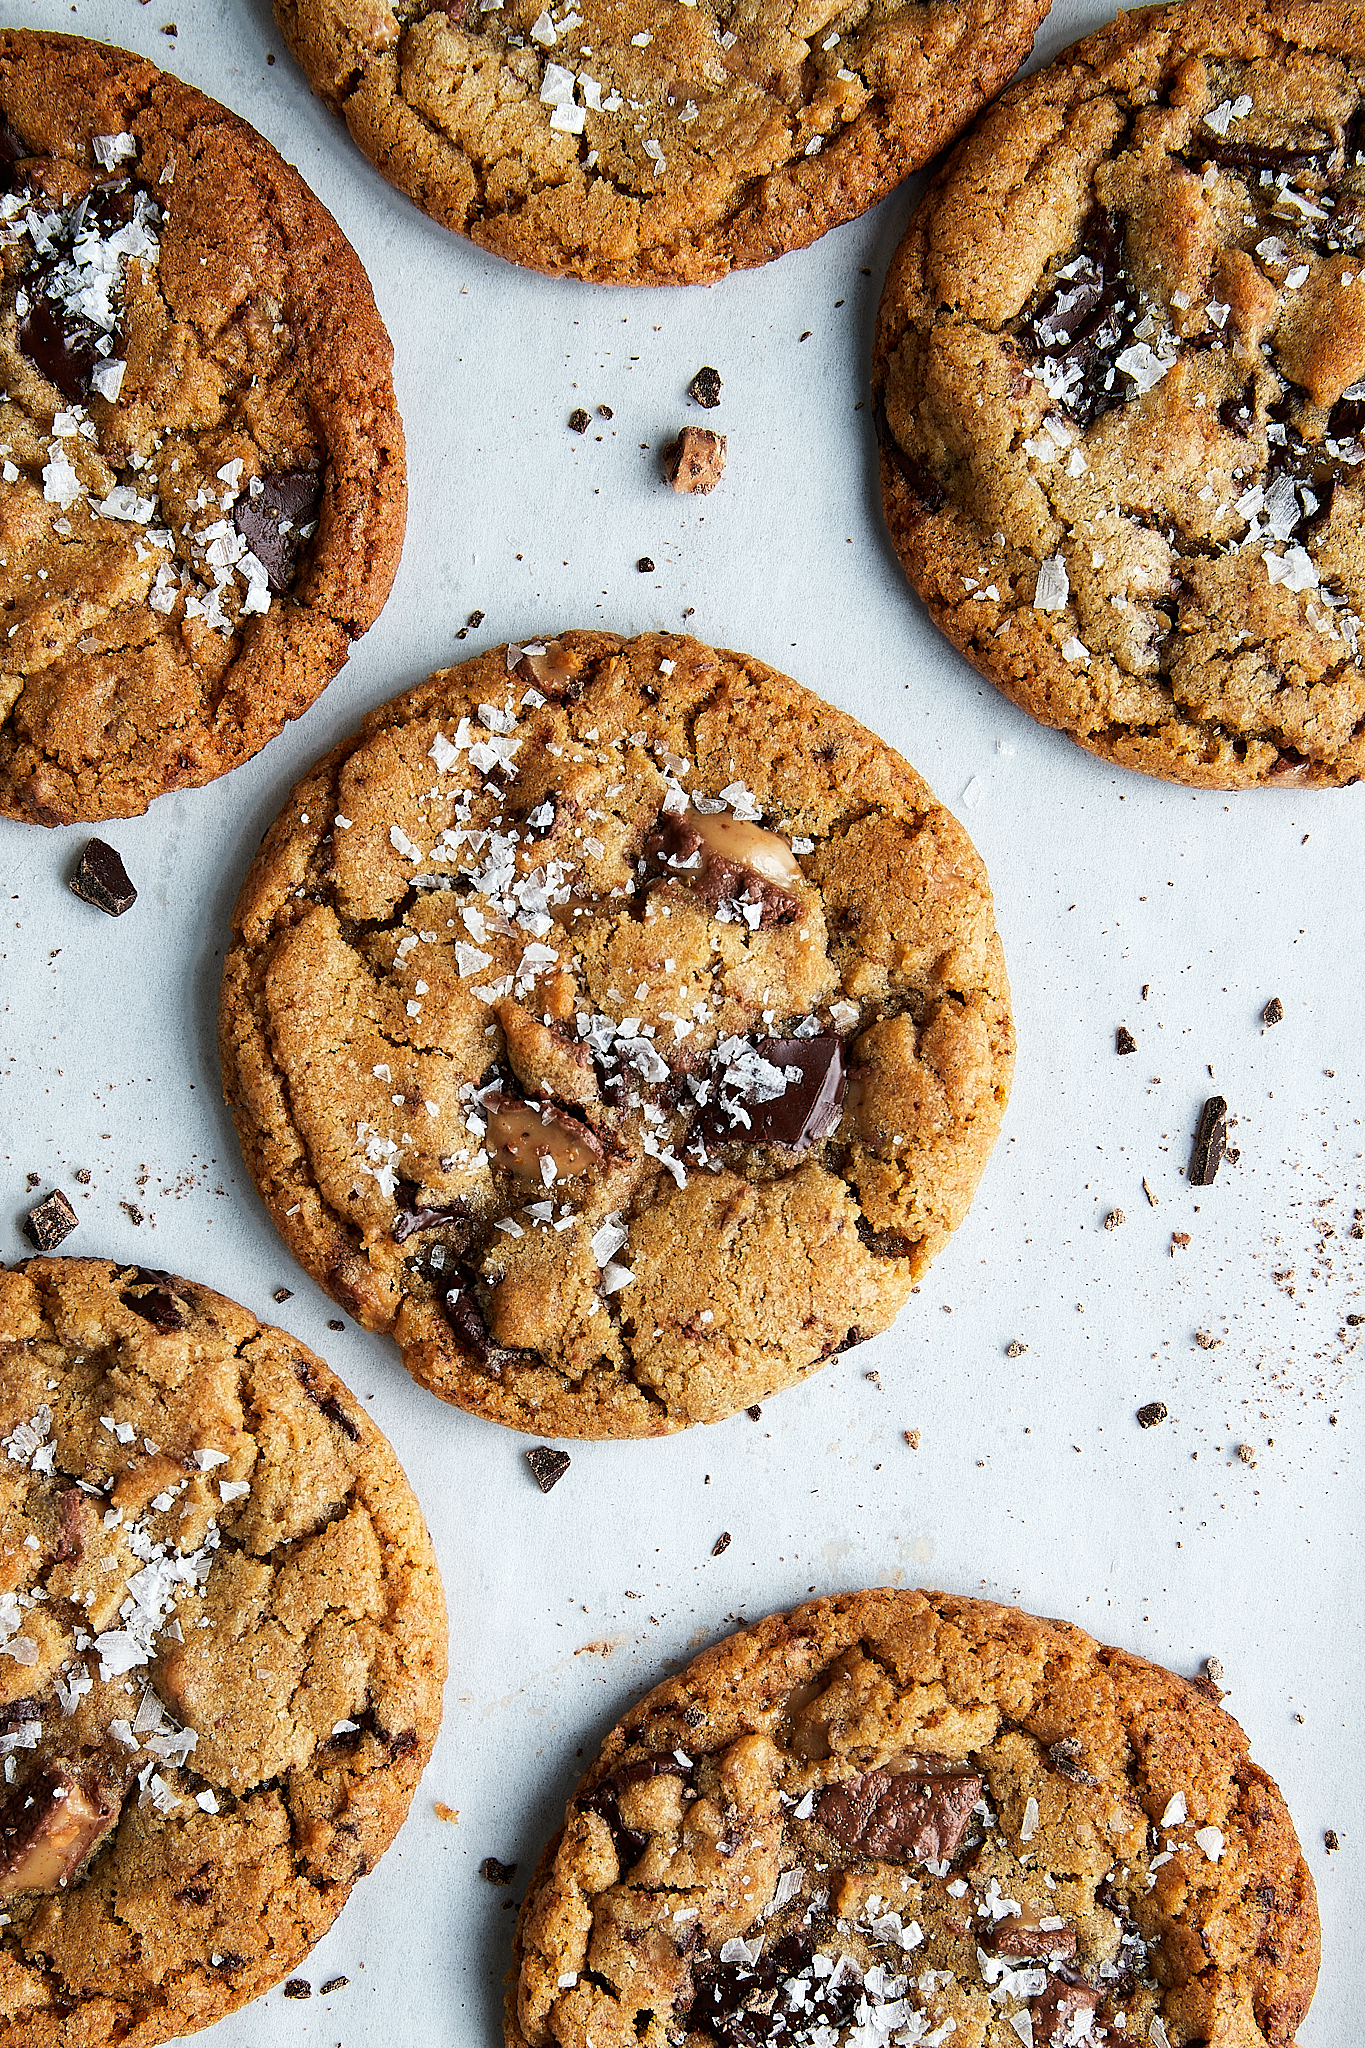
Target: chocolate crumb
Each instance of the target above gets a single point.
(333, 1984)
(1014, 1349)
(1114, 1219)
(284, 1294)
(475, 619)
(495, 1872)
(1330, 1840)
(131, 1211)
(1124, 1041)
(755, 1414)
(604, 412)
(721, 1543)
(705, 388)
(1273, 1013)
(579, 421)
(1065, 1757)
(912, 1438)
(1151, 1413)
(49, 1221)
(695, 462)
(548, 1466)
(1210, 1143)
(298, 1987)
(34, 1180)
(335, 1323)
(102, 879)
(1355, 1321)
(645, 566)
(83, 1176)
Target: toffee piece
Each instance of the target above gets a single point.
(623, 1065)
(860, 1821)
(202, 484)
(224, 1641)
(1119, 377)
(655, 144)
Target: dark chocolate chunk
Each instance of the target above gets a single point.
(1210, 1143)
(101, 878)
(901, 1815)
(56, 337)
(412, 1216)
(1273, 1013)
(157, 1305)
(297, 1987)
(602, 1800)
(1258, 157)
(579, 421)
(340, 1983)
(705, 387)
(1022, 1936)
(755, 1414)
(721, 1544)
(1057, 2011)
(548, 1466)
(645, 566)
(923, 487)
(13, 150)
(465, 1317)
(776, 1999)
(1081, 324)
(61, 348)
(328, 1403)
(283, 1294)
(726, 860)
(269, 520)
(1065, 1757)
(335, 1323)
(1151, 1413)
(807, 1111)
(49, 1221)
(495, 1872)
(1124, 1041)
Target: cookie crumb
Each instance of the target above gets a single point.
(1330, 1840)
(100, 878)
(1210, 1143)
(1151, 1198)
(579, 421)
(444, 1812)
(875, 1378)
(1014, 1349)
(83, 1176)
(912, 1437)
(297, 1987)
(50, 1221)
(706, 387)
(1246, 1453)
(333, 1984)
(1114, 1219)
(495, 1872)
(33, 1180)
(1273, 1013)
(549, 1466)
(1151, 1413)
(1124, 1041)
(1206, 1340)
(695, 462)
(1179, 1240)
(722, 1543)
(1213, 1668)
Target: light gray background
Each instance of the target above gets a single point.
(1032, 1481)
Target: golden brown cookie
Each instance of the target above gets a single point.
(620, 1026)
(659, 141)
(1120, 380)
(222, 1645)
(906, 1818)
(202, 480)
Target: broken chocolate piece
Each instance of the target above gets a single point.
(1059, 2014)
(50, 1221)
(742, 2004)
(463, 1314)
(1124, 1041)
(101, 878)
(340, 1983)
(548, 1466)
(538, 1146)
(283, 1294)
(49, 1827)
(807, 1110)
(1081, 324)
(721, 1544)
(630, 1842)
(1151, 1413)
(1210, 1143)
(695, 462)
(705, 387)
(413, 1216)
(903, 1815)
(579, 421)
(327, 1403)
(1022, 1934)
(297, 1987)
(159, 1305)
(1273, 1013)
(496, 1873)
(728, 861)
(269, 520)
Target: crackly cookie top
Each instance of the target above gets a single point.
(902, 1820)
(619, 1025)
(1121, 371)
(201, 463)
(222, 1643)
(653, 141)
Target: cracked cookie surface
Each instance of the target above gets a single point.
(653, 141)
(906, 1818)
(620, 1026)
(1120, 386)
(202, 479)
(222, 1646)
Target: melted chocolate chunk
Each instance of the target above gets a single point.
(1020, 1937)
(50, 1221)
(494, 1872)
(1255, 157)
(922, 486)
(1081, 324)
(901, 1815)
(328, 1403)
(548, 1466)
(807, 1111)
(746, 2005)
(631, 1843)
(690, 850)
(13, 150)
(465, 1317)
(50, 1825)
(269, 519)
(102, 879)
(159, 1305)
(413, 1216)
(1058, 2009)
(1210, 1143)
(61, 342)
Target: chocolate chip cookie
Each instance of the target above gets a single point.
(906, 1818)
(1120, 380)
(620, 1026)
(202, 481)
(652, 142)
(222, 1645)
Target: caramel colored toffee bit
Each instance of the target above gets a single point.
(845, 1825)
(624, 1065)
(218, 1585)
(695, 462)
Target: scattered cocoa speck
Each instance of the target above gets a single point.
(579, 421)
(706, 387)
(722, 1543)
(1273, 1013)
(1145, 986)
(1114, 1219)
(131, 1211)
(495, 1872)
(1151, 1198)
(444, 1812)
(1179, 1240)
(333, 1984)
(604, 412)
(755, 1414)
(549, 1466)
(1124, 1041)
(1151, 1413)
(283, 1294)
(912, 1438)
(1330, 1840)
(1246, 1453)
(297, 1987)
(1206, 1340)
(335, 1323)
(645, 566)
(1014, 1349)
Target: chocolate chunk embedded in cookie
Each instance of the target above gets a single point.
(1120, 383)
(655, 143)
(224, 1645)
(620, 1026)
(848, 1823)
(202, 481)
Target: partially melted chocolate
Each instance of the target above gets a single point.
(270, 516)
(918, 1817)
(1082, 323)
(70, 300)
